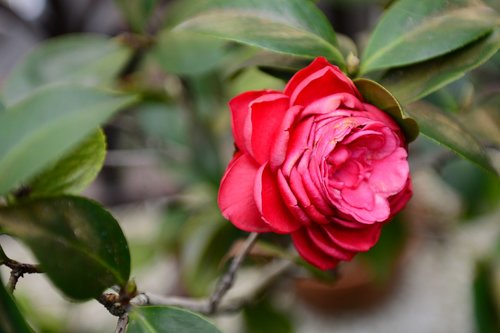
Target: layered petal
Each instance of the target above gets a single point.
(263, 121)
(311, 252)
(318, 80)
(239, 107)
(236, 196)
(270, 203)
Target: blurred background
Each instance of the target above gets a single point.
(436, 268)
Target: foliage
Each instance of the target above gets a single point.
(173, 80)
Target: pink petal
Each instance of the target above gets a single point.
(398, 201)
(359, 197)
(327, 81)
(279, 150)
(239, 106)
(262, 124)
(270, 203)
(310, 252)
(335, 80)
(389, 175)
(320, 238)
(317, 64)
(236, 197)
(354, 239)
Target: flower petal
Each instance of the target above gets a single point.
(239, 106)
(270, 203)
(354, 239)
(318, 80)
(236, 197)
(310, 252)
(262, 124)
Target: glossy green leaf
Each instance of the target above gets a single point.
(84, 59)
(288, 26)
(187, 53)
(377, 95)
(411, 83)
(137, 12)
(413, 31)
(11, 319)
(77, 242)
(164, 319)
(40, 129)
(74, 171)
(448, 131)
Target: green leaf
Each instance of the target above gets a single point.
(411, 83)
(377, 95)
(448, 131)
(85, 59)
(137, 12)
(486, 305)
(264, 317)
(288, 26)
(11, 319)
(413, 31)
(40, 129)
(2, 107)
(78, 243)
(74, 171)
(164, 319)
(187, 53)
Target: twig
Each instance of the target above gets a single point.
(121, 326)
(111, 302)
(18, 270)
(269, 274)
(227, 280)
(207, 306)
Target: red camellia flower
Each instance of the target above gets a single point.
(316, 162)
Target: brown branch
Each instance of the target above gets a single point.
(208, 306)
(18, 270)
(269, 274)
(122, 323)
(212, 304)
(227, 280)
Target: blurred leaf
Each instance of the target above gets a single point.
(164, 319)
(74, 171)
(448, 131)
(3, 256)
(187, 53)
(288, 26)
(264, 317)
(411, 83)
(40, 129)
(137, 12)
(412, 31)
(2, 107)
(162, 121)
(486, 307)
(11, 319)
(383, 257)
(85, 59)
(253, 79)
(377, 95)
(77, 242)
(249, 57)
(203, 247)
(479, 189)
